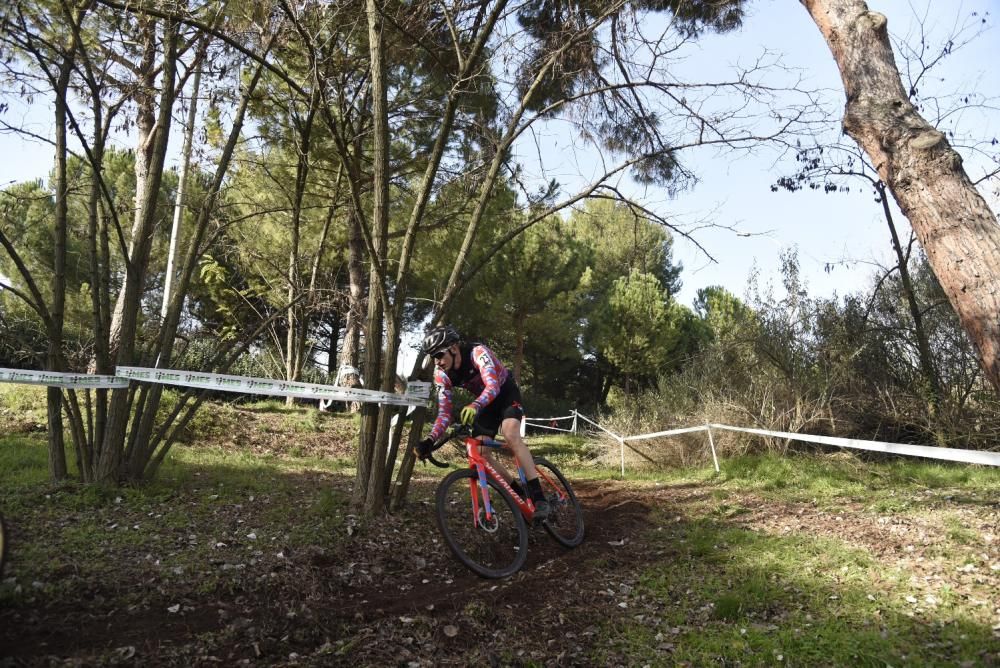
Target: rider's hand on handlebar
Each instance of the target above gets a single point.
(424, 448)
(468, 414)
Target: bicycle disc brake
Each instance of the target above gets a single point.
(491, 525)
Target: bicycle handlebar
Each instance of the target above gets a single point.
(456, 431)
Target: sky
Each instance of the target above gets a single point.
(839, 237)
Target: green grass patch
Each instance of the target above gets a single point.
(23, 461)
(27, 402)
(732, 596)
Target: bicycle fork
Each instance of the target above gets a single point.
(484, 492)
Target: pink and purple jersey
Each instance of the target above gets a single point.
(481, 373)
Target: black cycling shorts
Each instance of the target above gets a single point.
(506, 405)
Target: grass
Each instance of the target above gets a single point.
(211, 498)
(725, 594)
(733, 596)
(717, 590)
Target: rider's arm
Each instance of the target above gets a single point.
(486, 363)
(443, 384)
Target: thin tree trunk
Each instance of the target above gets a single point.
(951, 219)
(371, 462)
(312, 301)
(333, 342)
(298, 313)
(181, 187)
(518, 364)
(350, 352)
(57, 445)
(923, 345)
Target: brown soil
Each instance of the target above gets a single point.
(390, 593)
(394, 596)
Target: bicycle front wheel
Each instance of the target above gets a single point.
(565, 521)
(494, 546)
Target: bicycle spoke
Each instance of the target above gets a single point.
(565, 521)
(493, 546)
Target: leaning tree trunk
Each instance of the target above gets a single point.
(951, 219)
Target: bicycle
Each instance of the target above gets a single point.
(485, 523)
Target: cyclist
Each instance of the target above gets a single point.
(497, 406)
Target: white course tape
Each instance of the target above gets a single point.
(534, 419)
(416, 393)
(929, 452)
(542, 426)
(60, 379)
(949, 454)
(672, 432)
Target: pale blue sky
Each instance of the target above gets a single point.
(826, 229)
(844, 231)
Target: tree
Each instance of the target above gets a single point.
(135, 62)
(639, 328)
(955, 226)
(826, 166)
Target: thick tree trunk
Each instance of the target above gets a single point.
(146, 167)
(126, 318)
(951, 219)
(140, 459)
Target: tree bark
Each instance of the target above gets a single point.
(151, 153)
(374, 423)
(147, 171)
(349, 353)
(952, 221)
(57, 446)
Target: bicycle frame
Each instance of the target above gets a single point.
(483, 469)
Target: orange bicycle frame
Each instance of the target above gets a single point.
(483, 469)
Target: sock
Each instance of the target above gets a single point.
(535, 489)
(516, 486)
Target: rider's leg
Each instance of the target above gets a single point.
(487, 454)
(511, 430)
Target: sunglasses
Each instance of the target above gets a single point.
(440, 354)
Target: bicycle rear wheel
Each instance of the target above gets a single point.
(565, 521)
(494, 547)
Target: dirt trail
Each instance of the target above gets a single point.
(400, 601)
(392, 594)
